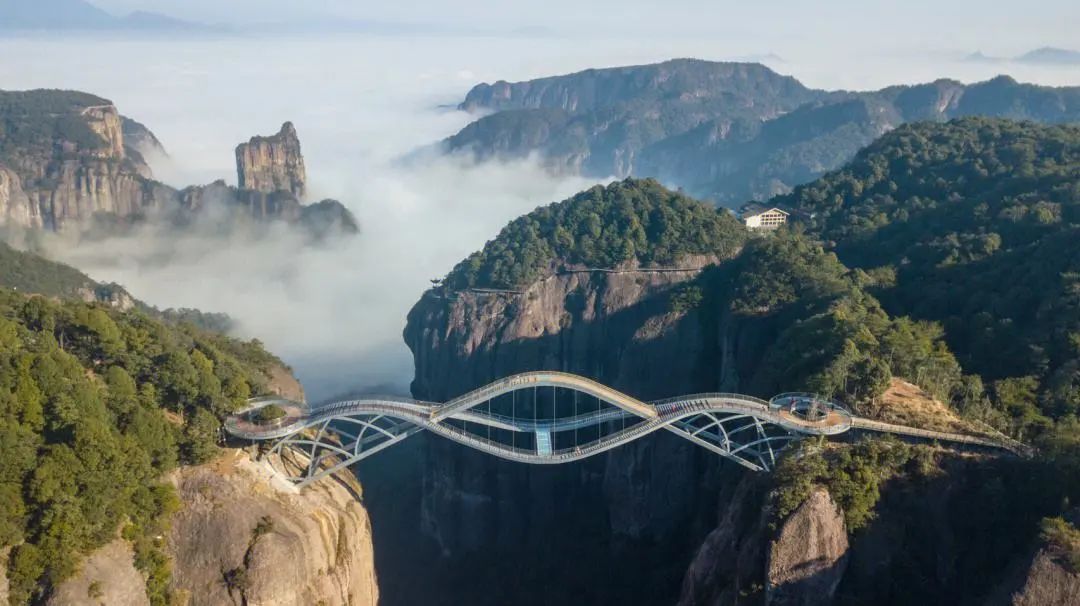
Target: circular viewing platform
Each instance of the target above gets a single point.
(811, 413)
(266, 418)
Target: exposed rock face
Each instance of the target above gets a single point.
(108, 577)
(586, 321)
(808, 557)
(617, 328)
(105, 121)
(4, 587)
(318, 552)
(53, 184)
(272, 164)
(16, 205)
(94, 168)
(725, 131)
(1046, 583)
(727, 568)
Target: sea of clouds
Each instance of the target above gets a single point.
(360, 104)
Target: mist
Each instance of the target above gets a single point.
(360, 104)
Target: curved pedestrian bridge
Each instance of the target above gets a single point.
(553, 417)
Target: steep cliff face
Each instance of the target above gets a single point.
(315, 547)
(69, 158)
(17, 206)
(272, 164)
(63, 159)
(317, 551)
(746, 561)
(808, 556)
(584, 321)
(1045, 582)
(726, 131)
(639, 504)
(105, 121)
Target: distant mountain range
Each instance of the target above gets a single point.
(1046, 55)
(76, 15)
(729, 132)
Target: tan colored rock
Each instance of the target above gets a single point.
(16, 208)
(284, 383)
(107, 577)
(105, 121)
(4, 586)
(272, 164)
(1047, 583)
(318, 552)
(809, 556)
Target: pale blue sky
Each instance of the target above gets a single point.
(991, 25)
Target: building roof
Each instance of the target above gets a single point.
(753, 208)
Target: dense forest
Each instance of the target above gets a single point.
(946, 254)
(972, 224)
(95, 405)
(28, 272)
(631, 220)
(30, 119)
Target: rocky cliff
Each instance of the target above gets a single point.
(272, 164)
(726, 131)
(1046, 581)
(312, 548)
(637, 504)
(69, 161)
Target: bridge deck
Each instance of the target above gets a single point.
(742, 428)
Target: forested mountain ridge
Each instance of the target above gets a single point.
(629, 221)
(897, 277)
(727, 132)
(95, 405)
(29, 273)
(972, 223)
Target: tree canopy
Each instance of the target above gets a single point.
(603, 227)
(95, 405)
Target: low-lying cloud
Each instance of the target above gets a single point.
(360, 104)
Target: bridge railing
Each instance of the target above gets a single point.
(710, 396)
(777, 400)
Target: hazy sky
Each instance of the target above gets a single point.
(949, 25)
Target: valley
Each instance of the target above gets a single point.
(538, 283)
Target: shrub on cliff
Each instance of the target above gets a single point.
(601, 227)
(95, 405)
(853, 474)
(1064, 539)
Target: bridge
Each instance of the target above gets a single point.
(554, 417)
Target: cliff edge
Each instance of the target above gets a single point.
(242, 536)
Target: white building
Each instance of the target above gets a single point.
(755, 216)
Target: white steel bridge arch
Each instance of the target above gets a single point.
(747, 430)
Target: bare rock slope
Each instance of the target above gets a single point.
(244, 537)
(270, 164)
(313, 548)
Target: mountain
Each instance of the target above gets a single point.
(109, 433)
(933, 276)
(70, 162)
(74, 15)
(728, 132)
(976, 222)
(1051, 55)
